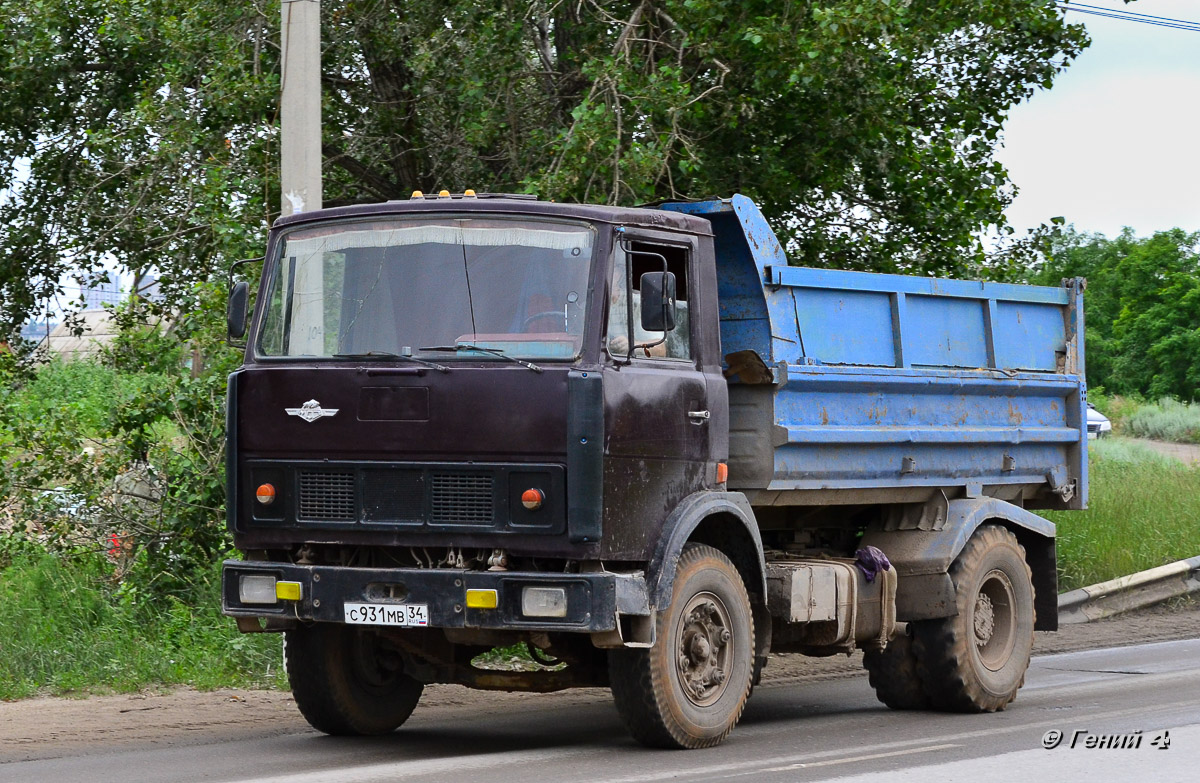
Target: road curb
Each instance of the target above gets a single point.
(1130, 592)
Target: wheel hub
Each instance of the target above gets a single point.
(994, 620)
(985, 620)
(705, 649)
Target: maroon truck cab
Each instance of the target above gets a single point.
(440, 408)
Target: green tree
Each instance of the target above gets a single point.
(1142, 309)
(144, 133)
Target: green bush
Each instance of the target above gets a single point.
(1166, 419)
(68, 627)
(1142, 513)
(83, 390)
(130, 444)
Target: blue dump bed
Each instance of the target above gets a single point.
(848, 387)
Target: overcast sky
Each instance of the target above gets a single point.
(1116, 141)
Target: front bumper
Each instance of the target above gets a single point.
(593, 599)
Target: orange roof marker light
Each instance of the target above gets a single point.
(418, 194)
(443, 194)
(468, 193)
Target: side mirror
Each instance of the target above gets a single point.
(235, 316)
(658, 301)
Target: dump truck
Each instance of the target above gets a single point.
(641, 444)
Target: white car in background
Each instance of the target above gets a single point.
(1097, 423)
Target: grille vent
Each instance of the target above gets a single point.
(462, 499)
(327, 496)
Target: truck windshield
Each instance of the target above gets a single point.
(371, 289)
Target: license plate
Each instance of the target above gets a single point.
(387, 614)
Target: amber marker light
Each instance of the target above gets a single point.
(265, 494)
(722, 473)
(443, 194)
(468, 193)
(532, 499)
(482, 599)
(418, 194)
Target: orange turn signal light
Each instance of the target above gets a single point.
(265, 494)
(722, 473)
(532, 499)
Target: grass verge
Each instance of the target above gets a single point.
(1144, 511)
(66, 629)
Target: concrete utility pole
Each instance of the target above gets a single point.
(300, 109)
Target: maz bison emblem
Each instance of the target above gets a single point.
(311, 411)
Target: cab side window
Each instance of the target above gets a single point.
(647, 257)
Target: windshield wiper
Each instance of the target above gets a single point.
(481, 349)
(389, 356)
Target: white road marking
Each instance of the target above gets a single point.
(442, 765)
(852, 759)
(839, 755)
(1061, 763)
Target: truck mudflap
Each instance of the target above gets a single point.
(433, 598)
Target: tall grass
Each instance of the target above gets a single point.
(65, 628)
(1144, 511)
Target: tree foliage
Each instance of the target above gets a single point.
(123, 454)
(143, 133)
(1142, 309)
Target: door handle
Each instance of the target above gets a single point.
(699, 416)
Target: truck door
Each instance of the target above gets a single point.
(657, 414)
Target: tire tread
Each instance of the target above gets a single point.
(641, 694)
(941, 646)
(892, 672)
(318, 672)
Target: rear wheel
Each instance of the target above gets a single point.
(689, 689)
(976, 660)
(892, 672)
(346, 682)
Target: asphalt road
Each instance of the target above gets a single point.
(824, 730)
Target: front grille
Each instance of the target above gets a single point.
(393, 496)
(327, 496)
(408, 498)
(1093, 427)
(462, 499)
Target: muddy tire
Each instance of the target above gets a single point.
(689, 689)
(892, 672)
(345, 683)
(976, 661)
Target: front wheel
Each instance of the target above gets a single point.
(689, 689)
(346, 682)
(976, 660)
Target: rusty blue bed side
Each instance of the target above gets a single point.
(897, 381)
